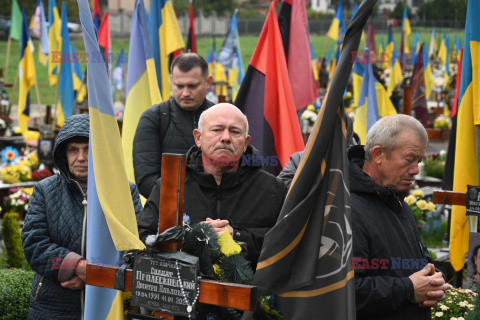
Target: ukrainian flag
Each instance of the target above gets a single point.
(111, 223)
(442, 52)
(395, 72)
(165, 38)
(337, 28)
(26, 74)
(65, 87)
(385, 105)
(314, 62)
(406, 29)
(78, 84)
(142, 86)
(367, 109)
(54, 41)
(387, 61)
(465, 168)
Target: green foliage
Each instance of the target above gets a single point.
(12, 240)
(475, 313)
(220, 6)
(249, 12)
(443, 9)
(29, 6)
(312, 14)
(457, 303)
(435, 165)
(15, 287)
(397, 13)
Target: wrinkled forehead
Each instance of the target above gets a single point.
(225, 118)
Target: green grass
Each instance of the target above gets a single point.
(248, 43)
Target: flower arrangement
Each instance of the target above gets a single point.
(38, 175)
(420, 207)
(435, 165)
(442, 123)
(16, 174)
(456, 305)
(17, 201)
(5, 122)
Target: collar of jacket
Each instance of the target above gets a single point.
(204, 106)
(360, 182)
(229, 179)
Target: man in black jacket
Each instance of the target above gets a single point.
(394, 278)
(167, 127)
(223, 187)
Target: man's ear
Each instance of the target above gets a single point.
(247, 142)
(378, 154)
(197, 134)
(209, 81)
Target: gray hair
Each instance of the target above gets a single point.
(383, 132)
(200, 120)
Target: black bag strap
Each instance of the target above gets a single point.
(164, 119)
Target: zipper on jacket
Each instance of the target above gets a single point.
(37, 292)
(218, 204)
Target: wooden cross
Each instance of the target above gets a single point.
(232, 295)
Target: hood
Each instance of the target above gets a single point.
(194, 164)
(360, 182)
(75, 126)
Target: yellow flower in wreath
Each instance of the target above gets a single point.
(410, 199)
(431, 206)
(418, 193)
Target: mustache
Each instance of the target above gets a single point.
(223, 146)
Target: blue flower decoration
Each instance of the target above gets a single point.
(186, 219)
(9, 155)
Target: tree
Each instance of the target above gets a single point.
(397, 13)
(220, 6)
(443, 9)
(29, 6)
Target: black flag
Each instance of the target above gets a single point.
(306, 256)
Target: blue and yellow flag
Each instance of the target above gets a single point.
(78, 84)
(465, 168)
(165, 38)
(415, 48)
(65, 87)
(142, 86)
(314, 62)
(406, 29)
(26, 74)
(54, 41)
(337, 28)
(111, 223)
(396, 75)
(367, 108)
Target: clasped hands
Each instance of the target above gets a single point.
(79, 279)
(219, 225)
(429, 286)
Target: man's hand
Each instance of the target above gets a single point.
(219, 225)
(429, 286)
(73, 284)
(81, 269)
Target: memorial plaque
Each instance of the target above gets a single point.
(473, 200)
(156, 285)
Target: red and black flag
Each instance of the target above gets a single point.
(292, 19)
(191, 43)
(266, 98)
(306, 257)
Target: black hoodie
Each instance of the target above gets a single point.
(386, 248)
(249, 198)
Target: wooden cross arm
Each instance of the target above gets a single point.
(232, 295)
(450, 197)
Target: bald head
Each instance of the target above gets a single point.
(223, 110)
